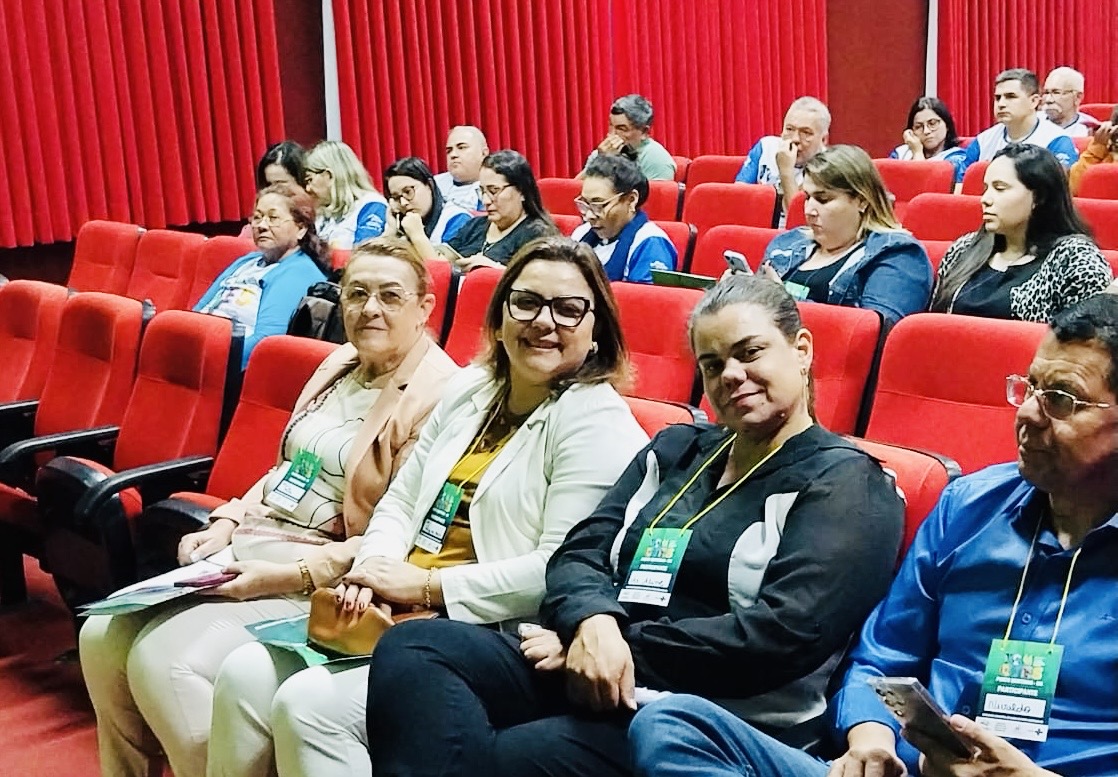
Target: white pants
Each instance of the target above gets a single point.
(152, 673)
(266, 701)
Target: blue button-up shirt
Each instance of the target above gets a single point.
(953, 596)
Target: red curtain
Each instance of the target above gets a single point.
(149, 112)
(979, 40)
(540, 76)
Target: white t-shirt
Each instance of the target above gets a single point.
(238, 298)
(464, 195)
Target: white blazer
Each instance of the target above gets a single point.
(549, 476)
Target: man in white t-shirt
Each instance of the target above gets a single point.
(1016, 101)
(779, 161)
(465, 149)
(1063, 92)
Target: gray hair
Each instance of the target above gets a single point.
(636, 108)
(812, 105)
(1072, 76)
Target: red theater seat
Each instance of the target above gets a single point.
(941, 386)
(567, 224)
(936, 249)
(682, 166)
(30, 312)
(943, 216)
(210, 260)
(974, 179)
(682, 237)
(103, 256)
(654, 320)
(710, 204)
(1102, 217)
(653, 415)
(1100, 111)
(751, 241)
(907, 178)
(559, 194)
(467, 331)
(665, 200)
(444, 285)
(712, 168)
(1099, 182)
(162, 272)
(795, 214)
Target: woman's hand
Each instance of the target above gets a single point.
(255, 579)
(207, 542)
(543, 649)
(915, 145)
(390, 580)
(600, 666)
(468, 263)
(411, 224)
(767, 272)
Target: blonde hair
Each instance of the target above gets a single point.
(395, 248)
(849, 169)
(349, 180)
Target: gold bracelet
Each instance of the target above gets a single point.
(305, 573)
(427, 589)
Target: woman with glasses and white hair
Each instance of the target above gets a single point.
(629, 245)
(261, 290)
(151, 673)
(350, 209)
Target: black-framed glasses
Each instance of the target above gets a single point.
(525, 306)
(587, 208)
(390, 298)
(931, 125)
(1054, 403)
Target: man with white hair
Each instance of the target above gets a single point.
(779, 161)
(465, 149)
(1063, 92)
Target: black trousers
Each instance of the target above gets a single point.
(449, 698)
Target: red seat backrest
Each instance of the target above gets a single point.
(795, 214)
(94, 364)
(30, 312)
(941, 386)
(920, 478)
(339, 257)
(751, 241)
(936, 249)
(682, 166)
(467, 331)
(162, 271)
(943, 216)
(559, 194)
(567, 224)
(187, 363)
(905, 178)
(1100, 111)
(277, 371)
(653, 415)
(664, 200)
(713, 168)
(1112, 257)
(683, 238)
(1081, 143)
(1102, 217)
(654, 321)
(974, 179)
(103, 256)
(1099, 182)
(444, 285)
(210, 260)
(846, 343)
(710, 204)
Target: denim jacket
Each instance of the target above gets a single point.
(893, 276)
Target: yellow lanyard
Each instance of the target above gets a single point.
(726, 493)
(1021, 588)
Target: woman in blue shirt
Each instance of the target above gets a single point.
(416, 208)
(930, 134)
(261, 290)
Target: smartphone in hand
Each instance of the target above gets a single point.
(736, 261)
(208, 580)
(914, 707)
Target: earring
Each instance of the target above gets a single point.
(594, 348)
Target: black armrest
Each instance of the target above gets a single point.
(159, 530)
(17, 421)
(176, 469)
(21, 407)
(20, 452)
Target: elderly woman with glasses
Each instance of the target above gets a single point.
(151, 674)
(629, 246)
(261, 290)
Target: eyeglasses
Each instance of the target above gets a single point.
(1059, 92)
(492, 192)
(390, 298)
(587, 208)
(1057, 405)
(525, 306)
(271, 219)
(931, 125)
(407, 193)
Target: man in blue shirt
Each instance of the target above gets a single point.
(1016, 101)
(1017, 555)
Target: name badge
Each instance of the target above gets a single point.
(296, 483)
(433, 531)
(798, 291)
(1018, 687)
(655, 566)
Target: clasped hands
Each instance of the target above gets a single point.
(385, 582)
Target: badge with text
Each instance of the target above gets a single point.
(1018, 687)
(655, 566)
(433, 531)
(294, 485)
(797, 290)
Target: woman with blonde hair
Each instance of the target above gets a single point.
(853, 250)
(350, 209)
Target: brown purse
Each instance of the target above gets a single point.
(351, 634)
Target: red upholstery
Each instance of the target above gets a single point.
(664, 200)
(1102, 217)
(795, 214)
(654, 416)
(711, 204)
(467, 331)
(559, 194)
(1099, 182)
(210, 259)
(30, 312)
(103, 256)
(846, 342)
(751, 241)
(974, 179)
(936, 250)
(682, 237)
(444, 285)
(339, 258)
(162, 272)
(941, 386)
(920, 479)
(712, 168)
(943, 216)
(654, 320)
(1112, 257)
(567, 224)
(1081, 143)
(907, 178)
(682, 166)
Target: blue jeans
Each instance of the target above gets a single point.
(682, 736)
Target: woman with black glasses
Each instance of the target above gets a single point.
(522, 447)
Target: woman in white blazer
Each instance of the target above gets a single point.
(521, 448)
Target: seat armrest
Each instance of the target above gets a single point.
(17, 421)
(172, 475)
(161, 527)
(19, 455)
